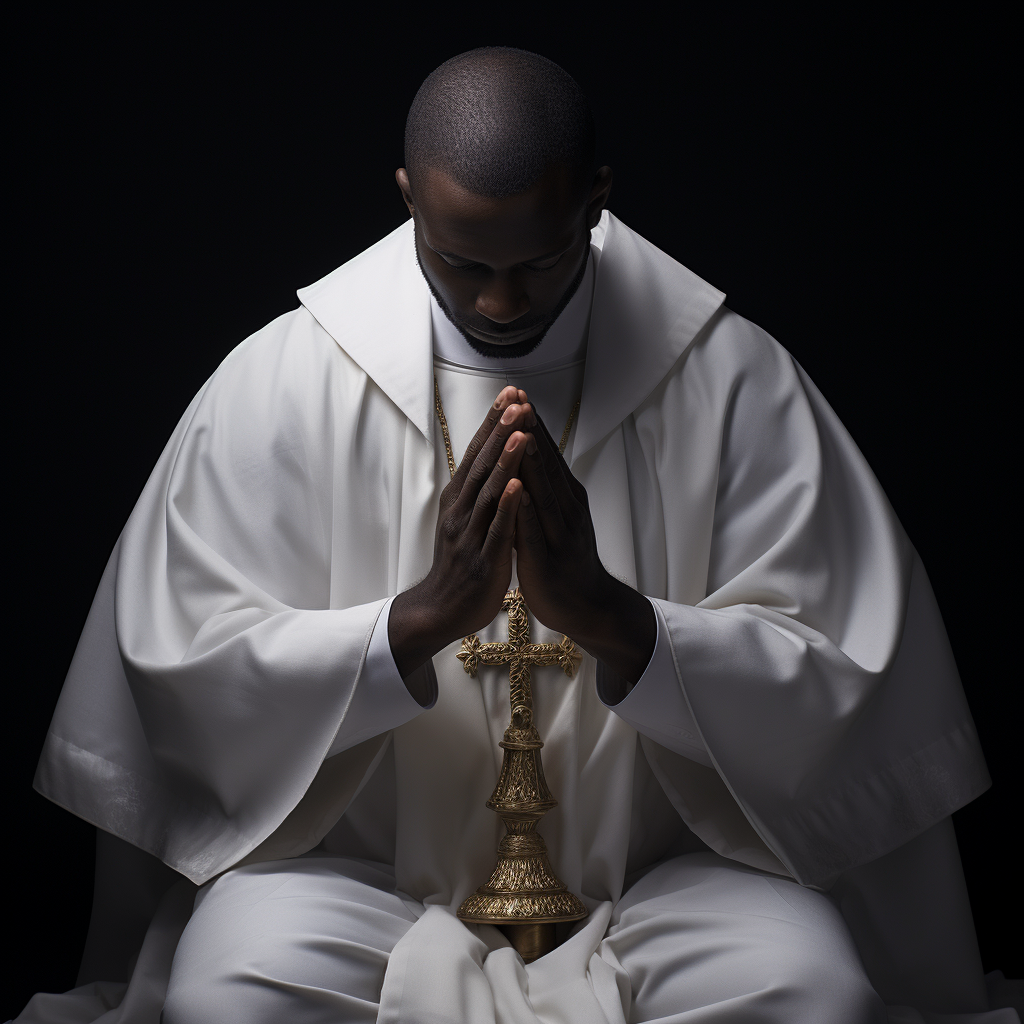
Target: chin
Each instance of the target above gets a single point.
(496, 348)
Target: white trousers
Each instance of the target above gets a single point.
(698, 939)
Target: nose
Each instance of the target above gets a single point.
(502, 300)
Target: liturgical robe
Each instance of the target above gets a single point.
(232, 704)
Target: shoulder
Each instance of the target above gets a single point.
(731, 360)
(737, 350)
(290, 359)
(274, 388)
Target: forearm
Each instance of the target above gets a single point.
(620, 629)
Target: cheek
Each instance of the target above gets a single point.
(457, 292)
(551, 287)
(459, 296)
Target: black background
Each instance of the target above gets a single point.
(842, 176)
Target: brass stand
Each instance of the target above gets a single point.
(523, 894)
(531, 941)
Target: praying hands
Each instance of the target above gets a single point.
(514, 489)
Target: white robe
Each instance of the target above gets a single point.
(226, 646)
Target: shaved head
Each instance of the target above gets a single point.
(495, 119)
(501, 183)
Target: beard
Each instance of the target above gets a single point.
(520, 348)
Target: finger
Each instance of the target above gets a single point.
(563, 481)
(498, 543)
(538, 483)
(505, 398)
(506, 468)
(554, 466)
(529, 535)
(484, 463)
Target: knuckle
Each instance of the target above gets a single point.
(487, 499)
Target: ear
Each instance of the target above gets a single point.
(403, 183)
(599, 193)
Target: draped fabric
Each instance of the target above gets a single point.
(300, 491)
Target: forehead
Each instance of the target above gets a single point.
(498, 232)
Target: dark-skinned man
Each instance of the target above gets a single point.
(281, 693)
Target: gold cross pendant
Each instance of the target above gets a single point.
(523, 895)
(519, 654)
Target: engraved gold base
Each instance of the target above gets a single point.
(522, 887)
(523, 892)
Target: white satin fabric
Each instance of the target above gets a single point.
(227, 643)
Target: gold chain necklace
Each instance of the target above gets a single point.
(447, 436)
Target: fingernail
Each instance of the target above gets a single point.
(512, 445)
(509, 414)
(531, 446)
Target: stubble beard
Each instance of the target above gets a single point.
(519, 349)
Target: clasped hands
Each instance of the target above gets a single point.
(513, 489)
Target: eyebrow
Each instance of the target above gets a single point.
(532, 259)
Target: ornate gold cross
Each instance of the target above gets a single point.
(519, 654)
(523, 895)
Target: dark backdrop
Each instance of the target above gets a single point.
(844, 181)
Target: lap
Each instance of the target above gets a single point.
(305, 939)
(704, 938)
(701, 939)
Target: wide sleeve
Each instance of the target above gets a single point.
(816, 667)
(655, 706)
(382, 700)
(224, 674)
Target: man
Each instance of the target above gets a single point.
(756, 760)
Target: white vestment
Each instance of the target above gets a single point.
(220, 711)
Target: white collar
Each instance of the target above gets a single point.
(564, 343)
(646, 311)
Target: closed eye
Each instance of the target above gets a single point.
(461, 266)
(546, 264)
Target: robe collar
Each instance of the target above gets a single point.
(647, 310)
(377, 308)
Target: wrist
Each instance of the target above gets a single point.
(618, 628)
(415, 630)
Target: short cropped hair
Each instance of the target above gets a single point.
(496, 118)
